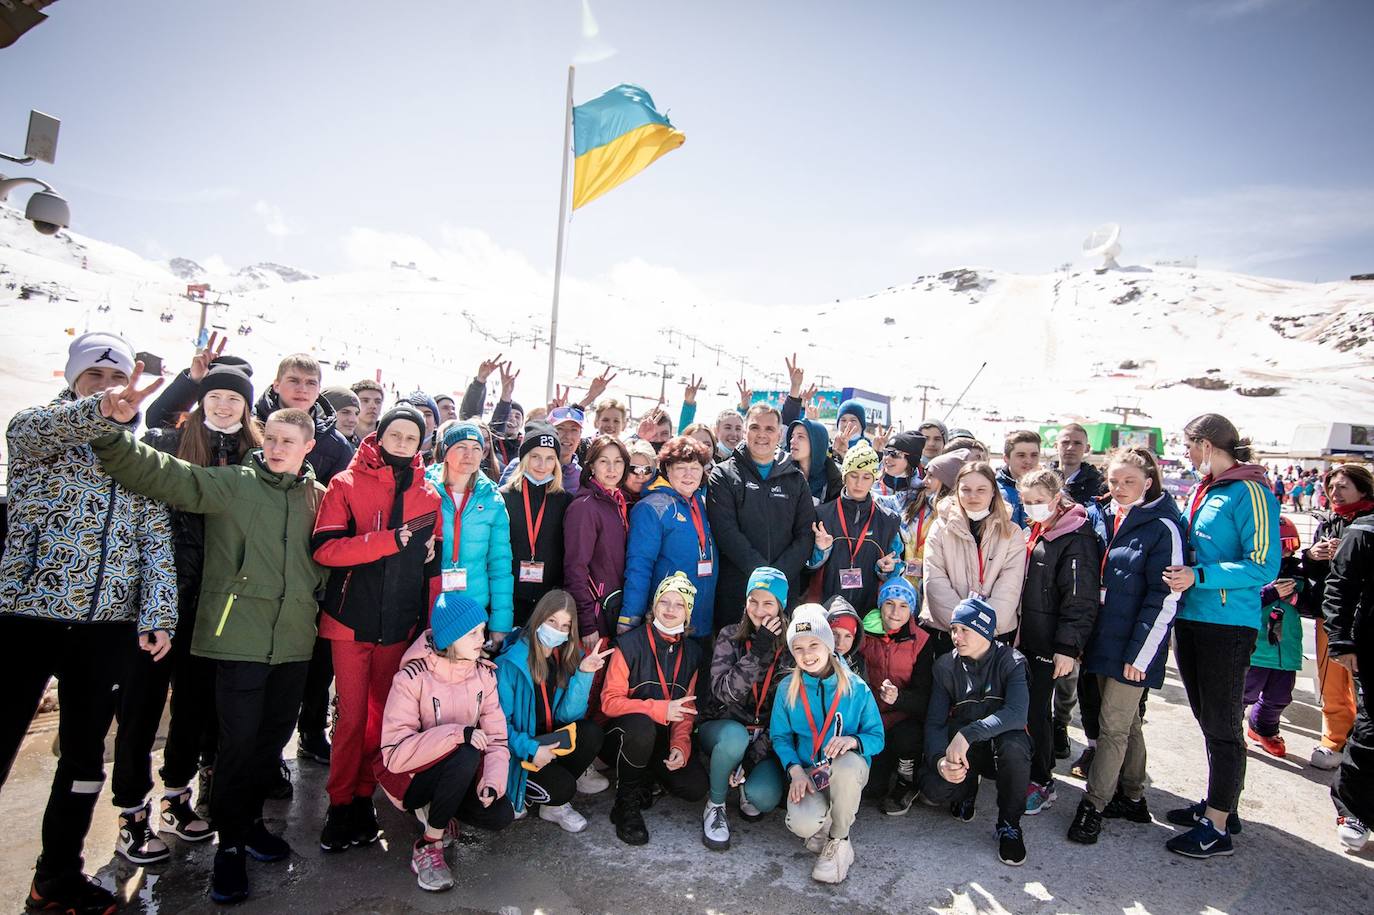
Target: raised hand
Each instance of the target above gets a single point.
(507, 380)
(887, 563)
(813, 411)
(201, 361)
(746, 396)
(594, 660)
(796, 374)
(599, 385)
(121, 404)
(689, 395)
(880, 437)
(487, 367)
(809, 394)
(824, 540)
(560, 397)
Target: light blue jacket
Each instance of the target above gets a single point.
(1234, 534)
(485, 548)
(858, 713)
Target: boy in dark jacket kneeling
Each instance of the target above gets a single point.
(976, 726)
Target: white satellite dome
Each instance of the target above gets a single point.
(1104, 242)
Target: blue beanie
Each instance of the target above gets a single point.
(454, 616)
(461, 432)
(768, 579)
(897, 588)
(854, 408)
(978, 615)
(421, 399)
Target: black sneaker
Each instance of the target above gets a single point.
(75, 893)
(629, 821)
(181, 821)
(229, 883)
(900, 798)
(1084, 763)
(1121, 807)
(1061, 741)
(280, 789)
(337, 834)
(205, 784)
(1011, 845)
(366, 829)
(1188, 817)
(1087, 824)
(264, 846)
(314, 747)
(964, 810)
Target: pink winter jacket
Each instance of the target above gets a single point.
(433, 702)
(951, 568)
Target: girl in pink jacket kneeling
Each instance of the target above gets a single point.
(444, 753)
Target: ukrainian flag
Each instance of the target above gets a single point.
(615, 137)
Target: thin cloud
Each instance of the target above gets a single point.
(273, 220)
(1225, 10)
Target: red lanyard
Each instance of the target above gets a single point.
(1036, 529)
(979, 547)
(548, 709)
(699, 525)
(856, 545)
(921, 517)
(1197, 502)
(761, 695)
(818, 737)
(458, 520)
(532, 528)
(1116, 529)
(653, 650)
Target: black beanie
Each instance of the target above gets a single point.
(539, 435)
(403, 410)
(227, 378)
(237, 362)
(909, 443)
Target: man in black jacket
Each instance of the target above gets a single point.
(1348, 607)
(761, 513)
(1082, 480)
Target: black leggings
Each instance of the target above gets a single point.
(1005, 758)
(556, 783)
(637, 747)
(904, 740)
(449, 787)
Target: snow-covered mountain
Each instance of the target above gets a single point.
(1174, 342)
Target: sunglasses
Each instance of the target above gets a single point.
(636, 470)
(893, 453)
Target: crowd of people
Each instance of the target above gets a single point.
(518, 606)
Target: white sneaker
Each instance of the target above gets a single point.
(592, 782)
(564, 816)
(521, 814)
(1352, 833)
(833, 864)
(1325, 758)
(816, 844)
(747, 808)
(715, 829)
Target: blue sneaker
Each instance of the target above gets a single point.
(1188, 817)
(1039, 797)
(1202, 841)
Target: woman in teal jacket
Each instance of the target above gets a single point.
(544, 679)
(472, 542)
(1233, 522)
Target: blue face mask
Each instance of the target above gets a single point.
(538, 481)
(550, 637)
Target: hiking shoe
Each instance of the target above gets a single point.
(1011, 844)
(1087, 824)
(71, 894)
(1274, 746)
(592, 782)
(181, 820)
(564, 815)
(1061, 741)
(900, 798)
(229, 882)
(205, 784)
(816, 844)
(1084, 763)
(280, 788)
(833, 864)
(1202, 841)
(264, 846)
(747, 808)
(137, 843)
(1325, 758)
(1352, 833)
(1191, 816)
(314, 747)
(337, 834)
(715, 828)
(629, 820)
(430, 869)
(1120, 807)
(1039, 797)
(366, 829)
(964, 810)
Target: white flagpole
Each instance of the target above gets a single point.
(562, 224)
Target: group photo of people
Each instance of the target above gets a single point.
(480, 611)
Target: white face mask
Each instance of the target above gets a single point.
(669, 630)
(227, 430)
(1039, 513)
(1117, 506)
(978, 515)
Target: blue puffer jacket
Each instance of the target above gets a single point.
(663, 540)
(485, 547)
(1007, 483)
(1234, 532)
(858, 714)
(516, 689)
(1138, 609)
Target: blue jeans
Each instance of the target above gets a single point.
(727, 741)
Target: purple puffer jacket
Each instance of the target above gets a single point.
(594, 554)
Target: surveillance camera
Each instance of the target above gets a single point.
(48, 212)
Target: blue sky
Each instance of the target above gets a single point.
(832, 149)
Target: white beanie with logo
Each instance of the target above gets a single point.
(97, 350)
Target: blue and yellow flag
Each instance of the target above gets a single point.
(615, 137)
